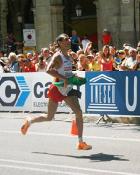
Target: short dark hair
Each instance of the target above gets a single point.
(61, 37)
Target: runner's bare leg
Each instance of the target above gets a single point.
(52, 108)
(73, 103)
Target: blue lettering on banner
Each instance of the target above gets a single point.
(14, 91)
(113, 92)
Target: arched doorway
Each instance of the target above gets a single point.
(84, 24)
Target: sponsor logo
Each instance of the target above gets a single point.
(14, 91)
(102, 94)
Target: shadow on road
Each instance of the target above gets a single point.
(100, 157)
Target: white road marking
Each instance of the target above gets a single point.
(57, 166)
(65, 135)
(39, 169)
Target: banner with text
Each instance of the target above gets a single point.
(113, 92)
(28, 92)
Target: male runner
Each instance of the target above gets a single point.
(60, 67)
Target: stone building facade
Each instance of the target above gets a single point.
(52, 17)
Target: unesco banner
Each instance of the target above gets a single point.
(115, 92)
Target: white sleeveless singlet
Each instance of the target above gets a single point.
(66, 70)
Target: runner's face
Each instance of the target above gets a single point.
(66, 43)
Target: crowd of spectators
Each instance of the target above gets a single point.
(85, 57)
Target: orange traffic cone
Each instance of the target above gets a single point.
(74, 129)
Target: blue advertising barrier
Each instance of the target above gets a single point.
(116, 92)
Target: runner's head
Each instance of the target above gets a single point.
(63, 41)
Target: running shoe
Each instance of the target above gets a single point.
(25, 127)
(83, 146)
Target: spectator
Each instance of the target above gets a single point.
(21, 61)
(81, 51)
(35, 57)
(28, 66)
(89, 48)
(126, 44)
(106, 37)
(13, 65)
(29, 55)
(85, 41)
(41, 65)
(126, 49)
(75, 41)
(73, 55)
(106, 59)
(46, 55)
(138, 62)
(130, 63)
(82, 63)
(112, 51)
(138, 47)
(94, 64)
(120, 56)
(2, 64)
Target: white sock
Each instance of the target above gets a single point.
(29, 120)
